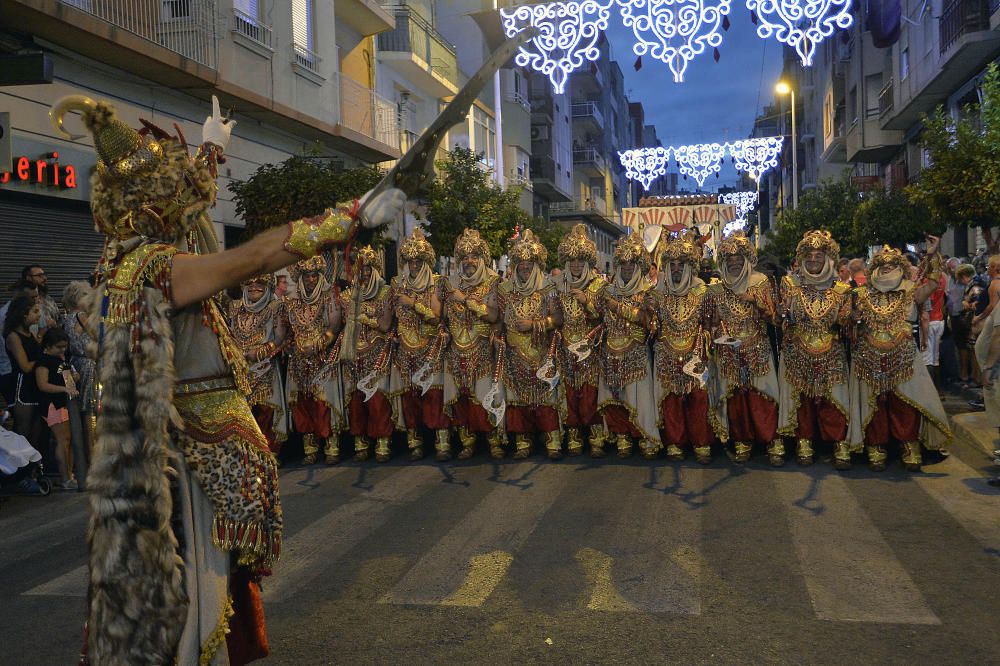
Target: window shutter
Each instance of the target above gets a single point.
(249, 7)
(302, 23)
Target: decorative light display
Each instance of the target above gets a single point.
(645, 164)
(801, 24)
(568, 36)
(757, 155)
(735, 225)
(700, 160)
(745, 202)
(674, 31)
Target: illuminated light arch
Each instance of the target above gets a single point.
(645, 164)
(757, 155)
(801, 24)
(700, 160)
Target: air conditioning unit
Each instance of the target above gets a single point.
(539, 132)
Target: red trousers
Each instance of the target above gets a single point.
(893, 418)
(310, 415)
(752, 416)
(264, 416)
(247, 637)
(685, 419)
(424, 410)
(372, 418)
(532, 419)
(470, 415)
(620, 421)
(820, 420)
(581, 406)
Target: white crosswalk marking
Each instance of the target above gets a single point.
(468, 563)
(951, 483)
(37, 539)
(652, 563)
(336, 533)
(72, 584)
(850, 571)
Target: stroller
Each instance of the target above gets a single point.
(20, 466)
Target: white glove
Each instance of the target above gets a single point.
(384, 208)
(216, 130)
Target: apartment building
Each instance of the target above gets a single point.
(291, 82)
(859, 106)
(551, 165)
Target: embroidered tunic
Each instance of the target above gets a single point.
(746, 321)
(311, 360)
(579, 324)
(372, 346)
(885, 349)
(814, 356)
(526, 352)
(418, 334)
(469, 353)
(626, 356)
(681, 336)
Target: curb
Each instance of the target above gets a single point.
(975, 428)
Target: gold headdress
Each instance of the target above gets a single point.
(578, 245)
(889, 258)
(266, 279)
(738, 243)
(527, 248)
(310, 265)
(367, 256)
(471, 244)
(632, 249)
(146, 183)
(817, 240)
(683, 247)
(417, 247)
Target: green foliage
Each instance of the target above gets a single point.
(891, 218)
(464, 195)
(300, 186)
(962, 184)
(830, 207)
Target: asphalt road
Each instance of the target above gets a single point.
(585, 562)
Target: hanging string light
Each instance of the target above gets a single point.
(757, 155)
(801, 24)
(700, 160)
(674, 31)
(645, 164)
(568, 36)
(744, 202)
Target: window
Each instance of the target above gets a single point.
(176, 9)
(852, 101)
(303, 18)
(250, 8)
(904, 64)
(485, 136)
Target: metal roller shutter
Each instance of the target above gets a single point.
(54, 233)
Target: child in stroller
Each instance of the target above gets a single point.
(20, 465)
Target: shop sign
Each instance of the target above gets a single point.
(45, 171)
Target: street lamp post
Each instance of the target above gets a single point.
(784, 89)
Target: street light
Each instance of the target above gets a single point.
(782, 88)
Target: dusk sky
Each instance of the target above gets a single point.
(717, 101)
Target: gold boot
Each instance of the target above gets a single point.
(574, 443)
(362, 448)
(382, 450)
(553, 445)
(911, 456)
(876, 457)
(496, 444)
(804, 452)
(624, 443)
(742, 452)
(522, 445)
(310, 449)
(598, 435)
(841, 456)
(468, 440)
(703, 455)
(442, 446)
(332, 450)
(415, 445)
(649, 448)
(776, 453)
(674, 453)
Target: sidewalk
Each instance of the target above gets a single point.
(975, 428)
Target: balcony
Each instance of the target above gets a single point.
(545, 179)
(186, 27)
(367, 113)
(590, 161)
(419, 52)
(250, 31)
(834, 139)
(592, 210)
(368, 17)
(885, 99)
(518, 98)
(519, 178)
(966, 46)
(587, 116)
(587, 81)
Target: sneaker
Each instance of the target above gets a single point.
(29, 486)
(71, 484)
(978, 405)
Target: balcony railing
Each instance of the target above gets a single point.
(588, 156)
(961, 17)
(413, 34)
(592, 204)
(186, 27)
(519, 178)
(587, 110)
(518, 98)
(885, 99)
(305, 58)
(251, 28)
(365, 111)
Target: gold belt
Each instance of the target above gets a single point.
(204, 385)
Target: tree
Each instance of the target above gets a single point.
(892, 218)
(300, 186)
(464, 195)
(962, 184)
(830, 207)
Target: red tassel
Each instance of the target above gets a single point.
(725, 23)
(638, 64)
(716, 54)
